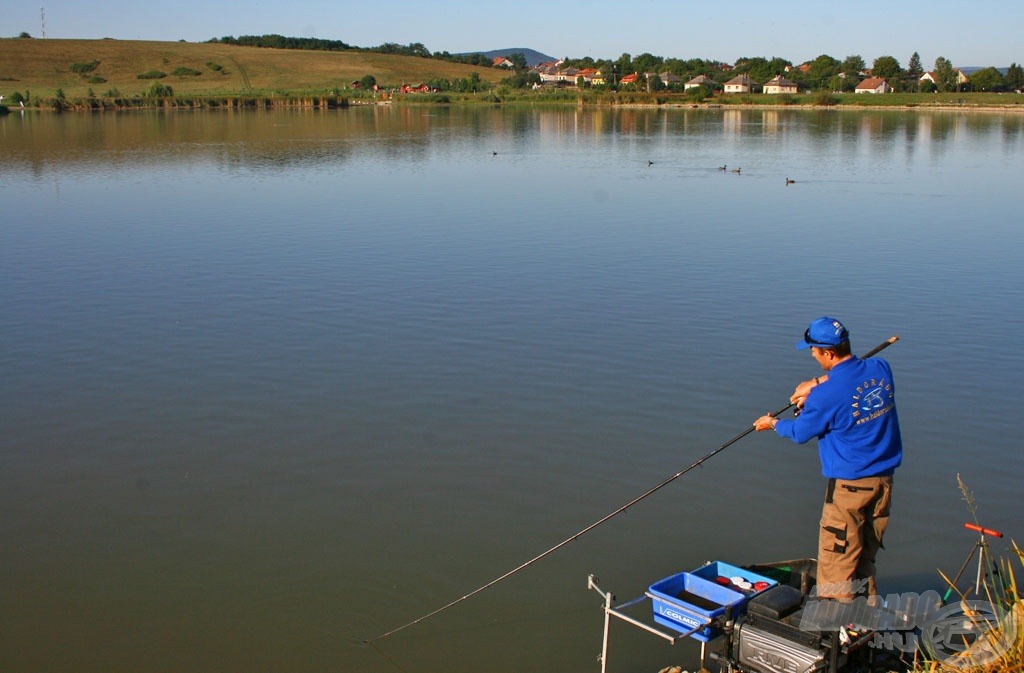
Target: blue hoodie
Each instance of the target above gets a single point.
(853, 415)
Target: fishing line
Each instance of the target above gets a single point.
(698, 463)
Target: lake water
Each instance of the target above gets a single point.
(275, 383)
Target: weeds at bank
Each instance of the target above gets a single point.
(995, 648)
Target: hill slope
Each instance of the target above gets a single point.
(43, 66)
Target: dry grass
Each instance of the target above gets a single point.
(44, 66)
(999, 649)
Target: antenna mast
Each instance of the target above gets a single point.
(42, 20)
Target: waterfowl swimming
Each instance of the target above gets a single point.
(722, 167)
(789, 182)
(736, 170)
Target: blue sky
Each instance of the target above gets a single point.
(981, 33)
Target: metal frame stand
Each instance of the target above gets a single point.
(610, 612)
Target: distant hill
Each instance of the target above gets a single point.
(532, 57)
(970, 69)
(204, 69)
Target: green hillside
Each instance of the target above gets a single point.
(44, 66)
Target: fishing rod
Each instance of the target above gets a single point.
(885, 344)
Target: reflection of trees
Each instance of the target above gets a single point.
(280, 139)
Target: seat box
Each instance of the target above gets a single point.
(776, 603)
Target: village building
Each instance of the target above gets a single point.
(699, 80)
(930, 76)
(873, 85)
(779, 84)
(739, 84)
(668, 79)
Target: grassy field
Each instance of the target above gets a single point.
(44, 66)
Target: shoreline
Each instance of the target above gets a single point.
(337, 102)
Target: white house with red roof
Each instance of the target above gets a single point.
(873, 85)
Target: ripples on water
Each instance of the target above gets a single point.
(277, 383)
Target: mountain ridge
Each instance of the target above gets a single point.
(533, 57)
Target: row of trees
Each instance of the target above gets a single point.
(417, 49)
(822, 73)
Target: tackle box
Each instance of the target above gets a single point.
(691, 601)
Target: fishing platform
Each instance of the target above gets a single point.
(748, 619)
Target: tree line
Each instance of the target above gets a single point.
(274, 41)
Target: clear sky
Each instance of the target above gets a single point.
(980, 33)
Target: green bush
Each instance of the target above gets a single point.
(216, 67)
(152, 74)
(185, 72)
(825, 97)
(157, 90)
(96, 79)
(84, 68)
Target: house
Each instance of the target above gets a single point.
(699, 80)
(588, 75)
(930, 76)
(629, 79)
(415, 88)
(803, 67)
(669, 79)
(779, 84)
(873, 85)
(548, 73)
(739, 84)
(502, 62)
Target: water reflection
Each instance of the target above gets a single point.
(275, 140)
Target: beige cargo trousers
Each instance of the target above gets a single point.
(853, 522)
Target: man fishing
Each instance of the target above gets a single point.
(852, 412)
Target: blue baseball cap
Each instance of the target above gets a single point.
(824, 332)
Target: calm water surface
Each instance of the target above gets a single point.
(276, 383)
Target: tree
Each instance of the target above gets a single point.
(24, 36)
(823, 68)
(945, 78)
(988, 79)
(886, 67)
(852, 65)
(623, 65)
(914, 71)
(368, 82)
(647, 63)
(519, 61)
(1014, 77)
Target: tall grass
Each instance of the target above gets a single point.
(995, 647)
